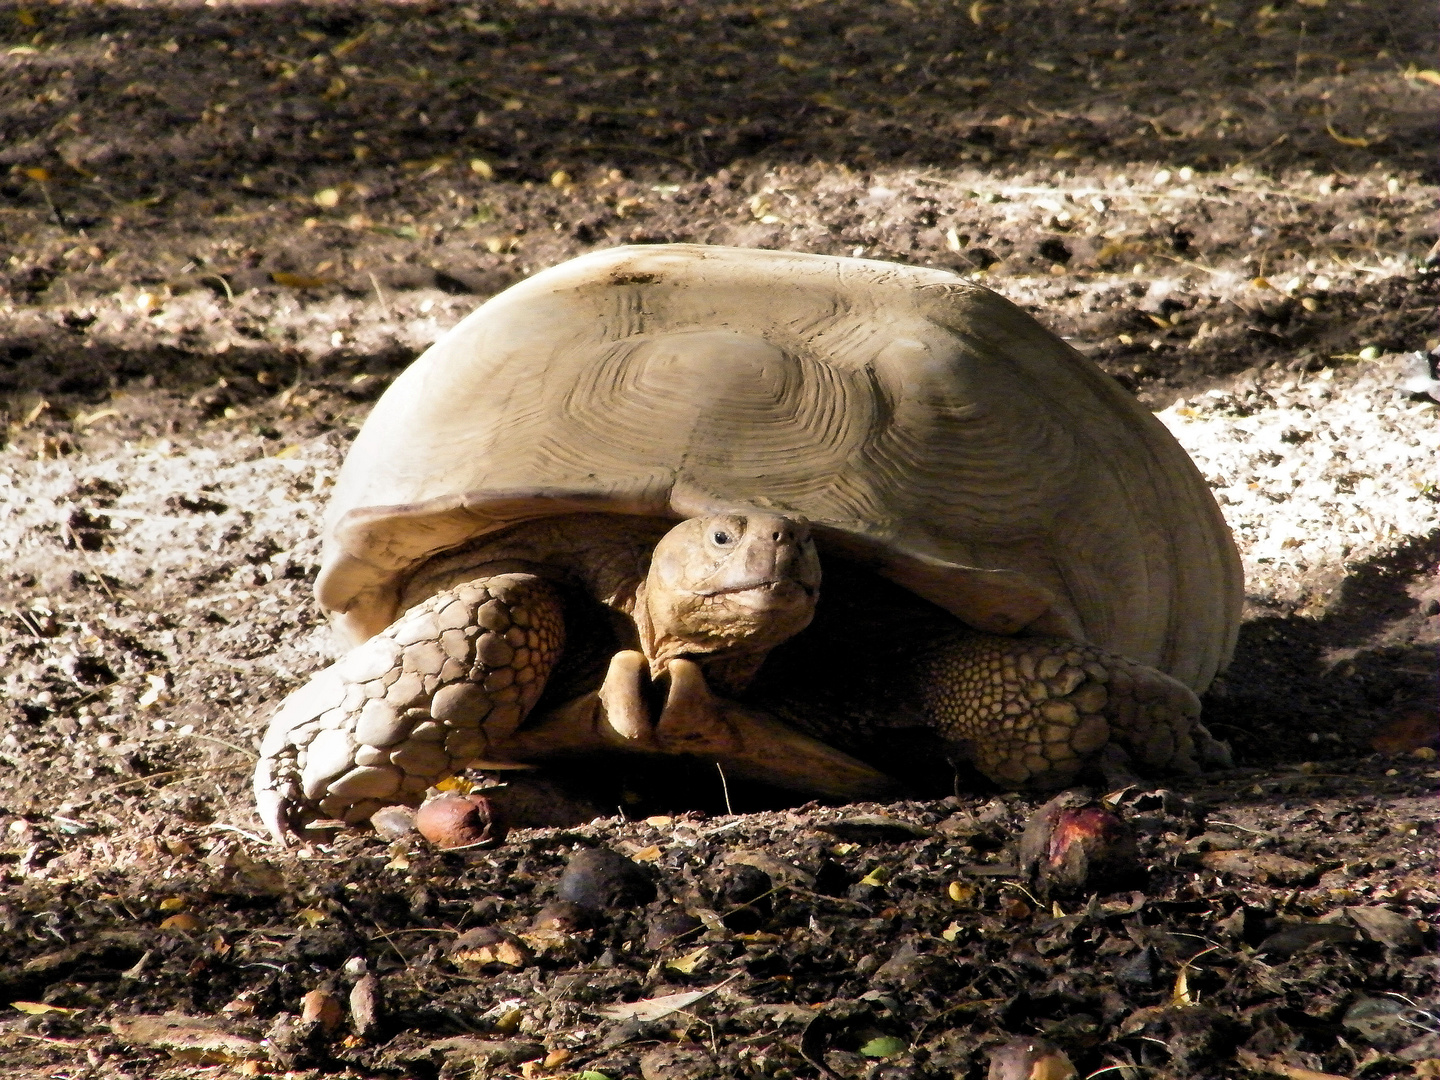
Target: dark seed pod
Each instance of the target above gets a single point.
(454, 821)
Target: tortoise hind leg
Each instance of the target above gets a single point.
(411, 706)
(1032, 711)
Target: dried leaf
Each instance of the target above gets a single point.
(84, 419)
(1275, 1067)
(1386, 926)
(876, 878)
(152, 696)
(1346, 140)
(323, 1008)
(961, 892)
(184, 922)
(194, 1039)
(1262, 866)
(650, 1009)
(687, 964)
(39, 1008)
(297, 281)
(1180, 992)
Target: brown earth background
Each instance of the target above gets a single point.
(225, 227)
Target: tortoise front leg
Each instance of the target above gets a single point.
(411, 706)
(746, 742)
(1031, 711)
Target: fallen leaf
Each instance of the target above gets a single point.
(297, 281)
(39, 1008)
(1410, 732)
(1346, 140)
(1292, 939)
(1386, 926)
(1275, 1067)
(195, 1039)
(323, 1008)
(486, 945)
(884, 1046)
(687, 964)
(84, 419)
(649, 1009)
(184, 922)
(778, 869)
(152, 696)
(349, 46)
(1180, 992)
(1261, 866)
(960, 892)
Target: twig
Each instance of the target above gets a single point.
(225, 826)
(1275, 1067)
(725, 787)
(379, 295)
(211, 738)
(187, 774)
(229, 295)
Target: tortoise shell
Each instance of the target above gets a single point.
(928, 428)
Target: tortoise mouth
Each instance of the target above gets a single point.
(767, 593)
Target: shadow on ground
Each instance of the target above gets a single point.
(1300, 688)
(240, 104)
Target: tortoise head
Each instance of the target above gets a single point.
(724, 590)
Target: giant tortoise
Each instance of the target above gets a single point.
(646, 459)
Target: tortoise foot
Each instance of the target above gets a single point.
(745, 742)
(1031, 712)
(411, 706)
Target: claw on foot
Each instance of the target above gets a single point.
(412, 705)
(694, 721)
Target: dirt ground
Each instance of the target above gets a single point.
(225, 227)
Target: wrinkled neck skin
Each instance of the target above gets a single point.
(725, 590)
(722, 590)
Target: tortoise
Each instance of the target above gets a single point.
(651, 453)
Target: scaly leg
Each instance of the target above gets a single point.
(411, 706)
(1031, 711)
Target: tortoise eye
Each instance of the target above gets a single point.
(721, 538)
